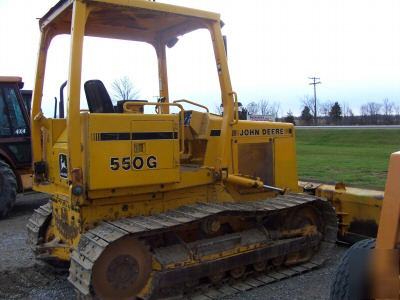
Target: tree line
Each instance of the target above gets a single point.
(385, 112)
(261, 107)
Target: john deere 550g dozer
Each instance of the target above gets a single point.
(145, 203)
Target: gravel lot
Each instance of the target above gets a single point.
(21, 277)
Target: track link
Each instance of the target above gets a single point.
(94, 241)
(37, 224)
(255, 280)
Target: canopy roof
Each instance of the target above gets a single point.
(10, 79)
(138, 20)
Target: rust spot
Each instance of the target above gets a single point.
(67, 230)
(340, 186)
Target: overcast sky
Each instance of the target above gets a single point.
(273, 47)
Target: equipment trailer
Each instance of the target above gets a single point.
(154, 205)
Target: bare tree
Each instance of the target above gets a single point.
(374, 109)
(275, 108)
(308, 101)
(252, 108)
(345, 106)
(264, 107)
(397, 113)
(218, 109)
(349, 112)
(364, 114)
(267, 108)
(397, 110)
(387, 108)
(364, 110)
(325, 108)
(348, 115)
(370, 112)
(124, 89)
(346, 110)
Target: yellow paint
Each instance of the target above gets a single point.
(26, 179)
(385, 258)
(179, 166)
(79, 15)
(351, 204)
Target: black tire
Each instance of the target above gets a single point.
(8, 189)
(351, 277)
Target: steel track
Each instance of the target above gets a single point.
(94, 241)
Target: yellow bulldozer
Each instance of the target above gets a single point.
(177, 202)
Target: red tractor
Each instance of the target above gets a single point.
(15, 141)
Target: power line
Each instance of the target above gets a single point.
(315, 81)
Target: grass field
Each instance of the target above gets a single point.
(357, 157)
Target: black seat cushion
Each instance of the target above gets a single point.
(97, 97)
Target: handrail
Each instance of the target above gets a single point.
(191, 102)
(181, 116)
(236, 108)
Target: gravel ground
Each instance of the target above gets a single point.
(21, 277)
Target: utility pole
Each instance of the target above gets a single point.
(315, 81)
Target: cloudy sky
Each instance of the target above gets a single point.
(273, 47)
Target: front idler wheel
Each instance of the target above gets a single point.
(122, 270)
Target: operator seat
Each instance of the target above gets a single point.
(97, 97)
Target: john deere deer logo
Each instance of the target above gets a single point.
(63, 165)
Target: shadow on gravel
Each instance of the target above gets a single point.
(27, 202)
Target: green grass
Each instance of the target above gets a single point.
(357, 157)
